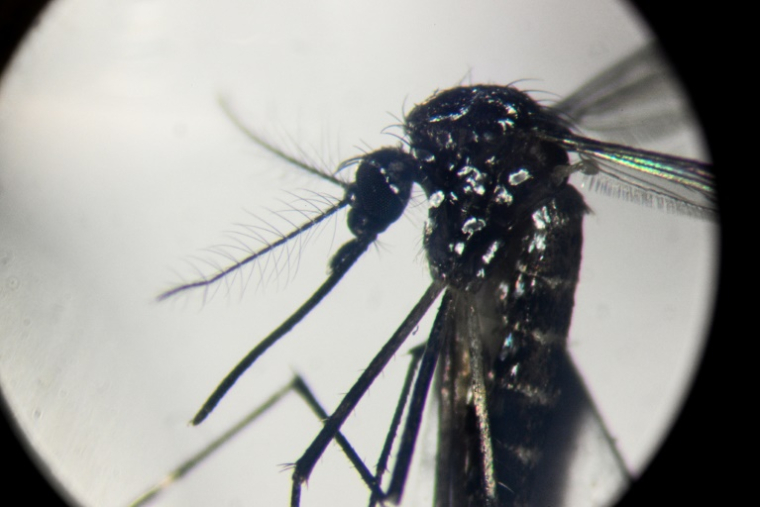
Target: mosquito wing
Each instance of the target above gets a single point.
(666, 180)
(637, 102)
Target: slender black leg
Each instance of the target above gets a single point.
(371, 481)
(419, 397)
(332, 426)
(195, 460)
(478, 389)
(382, 461)
(297, 385)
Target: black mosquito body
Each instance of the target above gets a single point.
(503, 240)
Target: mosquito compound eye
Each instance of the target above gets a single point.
(381, 191)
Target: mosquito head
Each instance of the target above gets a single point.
(380, 191)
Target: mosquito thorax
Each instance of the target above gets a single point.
(484, 171)
(380, 191)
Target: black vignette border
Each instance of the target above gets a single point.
(692, 459)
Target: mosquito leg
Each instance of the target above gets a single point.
(298, 385)
(306, 463)
(478, 388)
(419, 396)
(373, 483)
(382, 462)
(188, 465)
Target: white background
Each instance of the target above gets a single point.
(118, 167)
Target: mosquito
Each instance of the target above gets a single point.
(503, 241)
